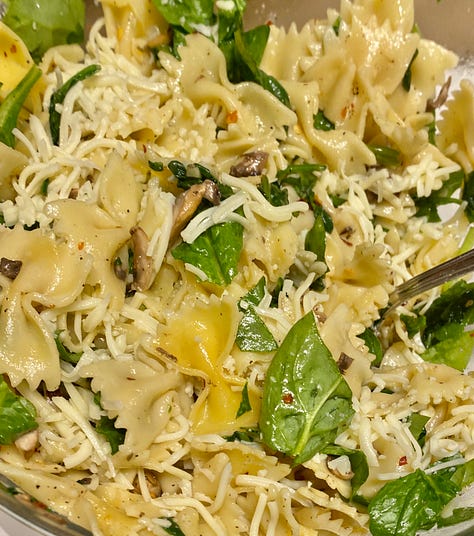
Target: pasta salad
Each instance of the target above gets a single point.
(201, 227)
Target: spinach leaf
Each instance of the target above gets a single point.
(468, 196)
(216, 252)
(306, 400)
(415, 501)
(409, 504)
(321, 122)
(42, 24)
(442, 327)
(64, 353)
(359, 464)
(17, 414)
(248, 435)
(252, 333)
(114, 436)
(273, 192)
(11, 106)
(417, 427)
(244, 406)
(244, 60)
(373, 344)
(315, 239)
(386, 156)
(187, 14)
(60, 94)
(458, 516)
(428, 206)
(172, 527)
(229, 20)
(189, 174)
(406, 80)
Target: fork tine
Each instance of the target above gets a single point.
(446, 271)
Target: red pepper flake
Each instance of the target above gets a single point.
(287, 398)
(402, 461)
(13, 48)
(80, 246)
(232, 117)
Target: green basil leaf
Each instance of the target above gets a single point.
(17, 415)
(216, 252)
(255, 295)
(60, 94)
(42, 24)
(306, 400)
(244, 406)
(11, 106)
(114, 436)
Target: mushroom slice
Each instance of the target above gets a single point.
(188, 202)
(142, 263)
(10, 268)
(251, 164)
(432, 104)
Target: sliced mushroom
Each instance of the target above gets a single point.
(10, 268)
(432, 104)
(340, 466)
(344, 362)
(188, 202)
(251, 164)
(142, 263)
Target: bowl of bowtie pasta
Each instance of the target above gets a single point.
(205, 209)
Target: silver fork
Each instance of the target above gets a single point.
(446, 271)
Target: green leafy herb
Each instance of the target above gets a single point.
(321, 122)
(60, 94)
(458, 516)
(44, 187)
(252, 333)
(406, 80)
(42, 24)
(17, 415)
(187, 14)
(216, 252)
(273, 192)
(172, 527)
(359, 464)
(417, 428)
(276, 292)
(248, 435)
(64, 353)
(386, 156)
(414, 324)
(428, 206)
(373, 344)
(156, 166)
(190, 174)
(11, 106)
(230, 20)
(245, 403)
(415, 501)
(114, 436)
(306, 400)
(315, 239)
(337, 24)
(468, 196)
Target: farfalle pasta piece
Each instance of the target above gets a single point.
(51, 275)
